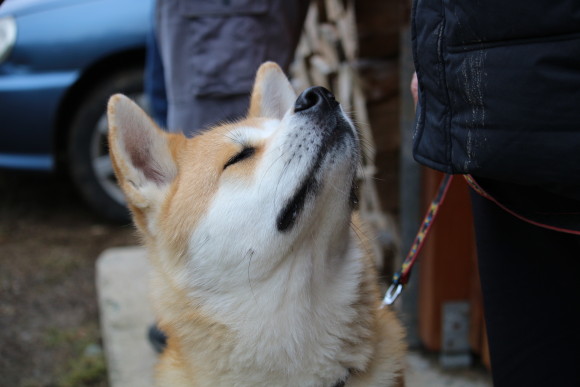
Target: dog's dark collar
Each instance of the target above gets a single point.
(342, 382)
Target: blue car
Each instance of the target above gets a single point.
(60, 60)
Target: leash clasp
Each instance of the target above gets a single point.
(392, 293)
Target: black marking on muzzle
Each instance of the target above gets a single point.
(287, 217)
(353, 197)
(334, 132)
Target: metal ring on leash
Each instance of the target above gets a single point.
(392, 294)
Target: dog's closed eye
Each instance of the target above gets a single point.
(244, 154)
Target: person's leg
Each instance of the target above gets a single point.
(199, 113)
(154, 79)
(530, 279)
(211, 52)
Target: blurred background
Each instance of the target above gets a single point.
(60, 208)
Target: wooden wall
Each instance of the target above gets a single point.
(352, 48)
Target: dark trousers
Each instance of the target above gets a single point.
(530, 279)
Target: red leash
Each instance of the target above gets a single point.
(401, 278)
(477, 188)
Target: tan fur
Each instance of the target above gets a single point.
(200, 346)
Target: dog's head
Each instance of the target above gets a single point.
(275, 185)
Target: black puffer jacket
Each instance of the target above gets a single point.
(499, 90)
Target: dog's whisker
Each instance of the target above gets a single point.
(251, 253)
(282, 175)
(336, 188)
(282, 154)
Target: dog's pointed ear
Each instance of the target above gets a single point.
(273, 94)
(141, 152)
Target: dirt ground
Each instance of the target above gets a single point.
(49, 242)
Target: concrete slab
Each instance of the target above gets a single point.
(122, 282)
(125, 313)
(423, 370)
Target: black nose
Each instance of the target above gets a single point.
(314, 97)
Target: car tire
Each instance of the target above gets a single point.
(88, 156)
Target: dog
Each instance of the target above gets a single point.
(261, 274)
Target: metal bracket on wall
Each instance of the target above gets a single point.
(455, 348)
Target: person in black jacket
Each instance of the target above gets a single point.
(499, 99)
